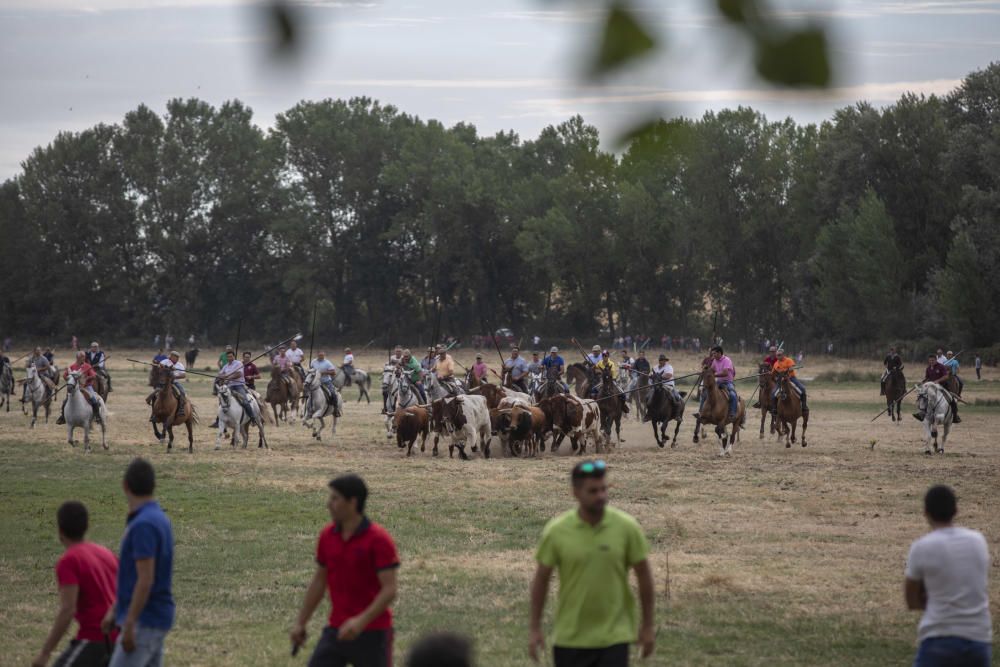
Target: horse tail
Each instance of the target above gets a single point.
(368, 381)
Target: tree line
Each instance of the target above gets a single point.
(875, 224)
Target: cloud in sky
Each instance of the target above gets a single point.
(509, 64)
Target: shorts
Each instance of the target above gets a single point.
(610, 656)
(83, 653)
(372, 648)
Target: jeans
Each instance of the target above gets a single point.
(730, 391)
(952, 652)
(148, 649)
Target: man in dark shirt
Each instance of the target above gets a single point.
(356, 561)
(250, 372)
(641, 363)
(891, 362)
(938, 373)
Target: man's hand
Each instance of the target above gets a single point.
(41, 660)
(128, 636)
(108, 622)
(298, 635)
(647, 641)
(536, 644)
(350, 629)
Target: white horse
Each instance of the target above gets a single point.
(360, 378)
(436, 389)
(34, 390)
(318, 407)
(80, 414)
(935, 402)
(233, 416)
(397, 393)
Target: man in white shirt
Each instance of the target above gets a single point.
(294, 354)
(348, 366)
(941, 358)
(946, 574)
(179, 372)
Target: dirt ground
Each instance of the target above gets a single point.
(771, 556)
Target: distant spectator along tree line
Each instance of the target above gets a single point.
(878, 223)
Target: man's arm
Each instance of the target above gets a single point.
(539, 591)
(915, 594)
(353, 627)
(67, 607)
(647, 631)
(314, 595)
(145, 569)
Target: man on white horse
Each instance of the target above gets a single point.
(397, 356)
(938, 374)
(444, 368)
(45, 370)
(86, 384)
(326, 371)
(232, 375)
(412, 373)
(518, 369)
(348, 366)
(96, 359)
(554, 366)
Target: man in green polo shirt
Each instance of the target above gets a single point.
(593, 547)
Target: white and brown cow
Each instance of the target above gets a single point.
(578, 418)
(466, 420)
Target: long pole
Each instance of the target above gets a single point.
(239, 330)
(186, 370)
(312, 334)
(896, 401)
(296, 337)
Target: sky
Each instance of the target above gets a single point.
(66, 65)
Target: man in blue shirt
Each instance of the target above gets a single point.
(144, 608)
(517, 369)
(554, 366)
(952, 365)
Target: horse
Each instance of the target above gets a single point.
(398, 393)
(6, 385)
(716, 411)
(80, 414)
(765, 383)
(895, 389)
(609, 400)
(318, 407)
(360, 378)
(282, 390)
(934, 402)
(578, 375)
(101, 384)
(37, 394)
(165, 407)
(436, 389)
(790, 410)
(660, 410)
(548, 387)
(233, 416)
(952, 385)
(639, 391)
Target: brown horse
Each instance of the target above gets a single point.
(283, 390)
(765, 382)
(578, 376)
(895, 389)
(716, 411)
(165, 406)
(610, 402)
(790, 410)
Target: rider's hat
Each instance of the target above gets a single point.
(94, 344)
(949, 352)
(605, 352)
(553, 349)
(173, 353)
(479, 356)
(664, 357)
(596, 348)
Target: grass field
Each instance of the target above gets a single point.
(773, 557)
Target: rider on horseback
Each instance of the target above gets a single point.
(480, 369)
(232, 375)
(937, 372)
(724, 371)
(663, 372)
(892, 362)
(554, 365)
(348, 366)
(250, 371)
(327, 371)
(772, 356)
(86, 384)
(411, 373)
(444, 368)
(96, 358)
(536, 363)
(44, 369)
(294, 354)
(626, 364)
(178, 370)
(518, 369)
(641, 363)
(952, 365)
(607, 364)
(783, 364)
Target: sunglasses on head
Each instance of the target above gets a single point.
(591, 467)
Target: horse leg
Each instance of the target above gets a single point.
(69, 434)
(318, 433)
(763, 418)
(697, 427)
(677, 429)
(86, 437)
(656, 434)
(222, 430)
(190, 431)
(795, 425)
(169, 428)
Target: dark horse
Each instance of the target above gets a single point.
(765, 382)
(609, 400)
(550, 386)
(895, 389)
(661, 408)
(790, 410)
(578, 375)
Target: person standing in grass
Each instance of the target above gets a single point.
(144, 609)
(86, 575)
(946, 574)
(356, 561)
(593, 547)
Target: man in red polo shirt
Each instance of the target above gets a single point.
(356, 561)
(86, 573)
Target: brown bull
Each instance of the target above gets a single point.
(411, 423)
